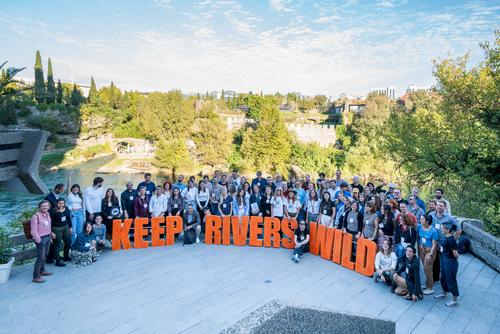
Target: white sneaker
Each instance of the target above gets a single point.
(452, 302)
(440, 296)
(428, 291)
(197, 240)
(296, 258)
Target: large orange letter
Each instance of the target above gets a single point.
(140, 232)
(347, 251)
(239, 231)
(226, 230)
(365, 257)
(321, 240)
(174, 225)
(255, 230)
(287, 227)
(272, 228)
(120, 234)
(212, 230)
(337, 246)
(157, 231)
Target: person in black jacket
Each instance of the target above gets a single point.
(405, 234)
(408, 284)
(62, 228)
(265, 203)
(54, 195)
(110, 210)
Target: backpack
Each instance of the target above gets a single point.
(463, 245)
(27, 229)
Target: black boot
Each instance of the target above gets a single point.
(59, 263)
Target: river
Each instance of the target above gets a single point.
(13, 204)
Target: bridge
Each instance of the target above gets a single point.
(20, 154)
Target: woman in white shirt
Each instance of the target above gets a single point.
(312, 211)
(292, 204)
(278, 204)
(385, 262)
(158, 203)
(75, 204)
(167, 190)
(189, 194)
(202, 198)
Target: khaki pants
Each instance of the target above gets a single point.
(427, 262)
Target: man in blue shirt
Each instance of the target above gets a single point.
(415, 192)
(150, 186)
(260, 181)
(179, 184)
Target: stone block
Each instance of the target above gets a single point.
(278, 317)
(485, 254)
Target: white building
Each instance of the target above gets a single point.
(390, 92)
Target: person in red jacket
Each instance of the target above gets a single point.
(141, 204)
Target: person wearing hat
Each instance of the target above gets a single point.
(449, 264)
(292, 204)
(301, 239)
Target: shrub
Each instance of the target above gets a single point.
(46, 123)
(42, 107)
(24, 111)
(7, 114)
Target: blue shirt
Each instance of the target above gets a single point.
(425, 237)
(150, 187)
(179, 185)
(438, 221)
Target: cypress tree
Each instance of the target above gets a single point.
(39, 82)
(93, 91)
(51, 87)
(76, 96)
(222, 95)
(59, 97)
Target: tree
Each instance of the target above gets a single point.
(213, 141)
(51, 87)
(222, 95)
(92, 97)
(268, 146)
(59, 97)
(455, 141)
(76, 96)
(39, 81)
(171, 154)
(166, 116)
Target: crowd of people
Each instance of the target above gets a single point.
(408, 231)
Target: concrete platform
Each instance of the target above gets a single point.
(207, 288)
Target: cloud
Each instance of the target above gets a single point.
(280, 5)
(326, 19)
(166, 4)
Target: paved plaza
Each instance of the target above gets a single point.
(207, 288)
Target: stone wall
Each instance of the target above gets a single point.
(324, 135)
(484, 245)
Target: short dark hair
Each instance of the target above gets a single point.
(98, 180)
(147, 174)
(321, 174)
(412, 248)
(58, 186)
(441, 190)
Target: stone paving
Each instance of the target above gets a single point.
(207, 288)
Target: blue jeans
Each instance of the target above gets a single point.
(77, 220)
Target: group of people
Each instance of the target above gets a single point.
(408, 230)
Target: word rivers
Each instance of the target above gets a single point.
(329, 243)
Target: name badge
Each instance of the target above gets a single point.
(63, 218)
(440, 249)
(46, 222)
(407, 270)
(258, 183)
(224, 205)
(367, 221)
(147, 192)
(145, 205)
(176, 206)
(87, 244)
(424, 240)
(324, 212)
(438, 226)
(351, 220)
(381, 225)
(109, 204)
(268, 201)
(131, 198)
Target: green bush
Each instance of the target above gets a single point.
(7, 114)
(46, 123)
(42, 107)
(24, 111)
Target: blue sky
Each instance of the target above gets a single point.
(327, 47)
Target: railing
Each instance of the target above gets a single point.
(24, 249)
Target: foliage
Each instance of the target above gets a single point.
(51, 87)
(39, 81)
(7, 114)
(429, 142)
(89, 152)
(211, 138)
(92, 98)
(5, 245)
(76, 96)
(166, 116)
(59, 97)
(171, 154)
(268, 147)
(256, 104)
(46, 123)
(313, 158)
